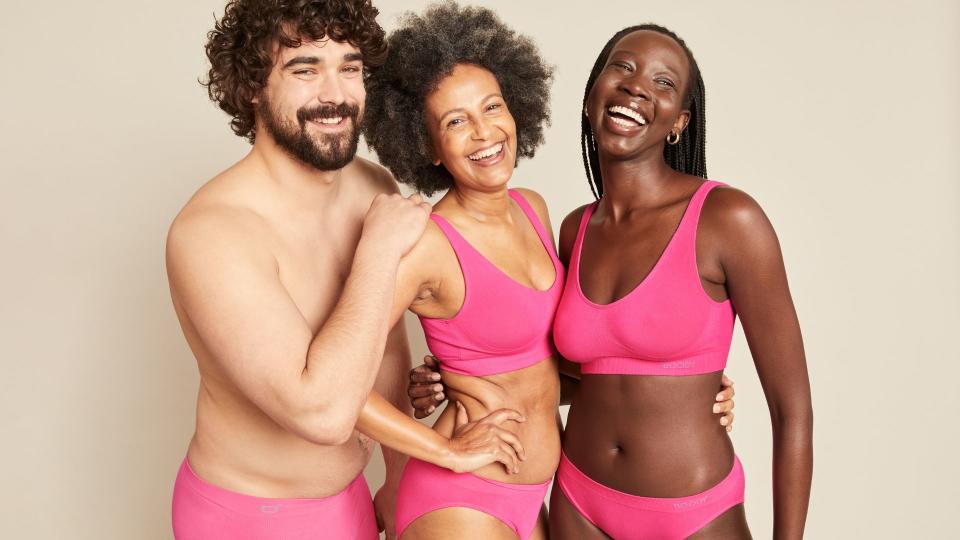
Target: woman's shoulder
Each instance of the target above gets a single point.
(728, 206)
(732, 217)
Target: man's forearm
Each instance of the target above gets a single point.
(354, 336)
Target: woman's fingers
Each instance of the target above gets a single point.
(500, 416)
(507, 456)
(423, 407)
(514, 442)
(723, 407)
(727, 382)
(422, 374)
(462, 417)
(431, 361)
(424, 390)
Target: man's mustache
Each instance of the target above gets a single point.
(346, 110)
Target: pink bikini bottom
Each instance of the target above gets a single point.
(631, 517)
(202, 511)
(425, 487)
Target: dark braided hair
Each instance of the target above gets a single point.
(689, 155)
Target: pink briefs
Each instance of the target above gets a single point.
(424, 487)
(202, 511)
(630, 517)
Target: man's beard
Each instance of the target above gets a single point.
(326, 152)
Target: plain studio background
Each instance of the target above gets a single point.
(841, 119)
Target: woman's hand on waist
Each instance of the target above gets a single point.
(426, 389)
(476, 444)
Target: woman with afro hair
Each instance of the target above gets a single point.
(460, 98)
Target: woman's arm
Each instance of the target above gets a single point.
(752, 265)
(475, 444)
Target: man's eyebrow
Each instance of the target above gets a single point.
(309, 60)
(314, 60)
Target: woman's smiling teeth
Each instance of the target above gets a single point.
(633, 118)
(487, 152)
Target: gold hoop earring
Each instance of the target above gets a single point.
(673, 138)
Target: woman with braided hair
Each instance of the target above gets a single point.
(658, 268)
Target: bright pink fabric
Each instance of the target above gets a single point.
(630, 517)
(667, 325)
(502, 325)
(425, 487)
(202, 511)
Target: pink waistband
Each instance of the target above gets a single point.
(244, 504)
(568, 472)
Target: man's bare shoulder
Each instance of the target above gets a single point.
(374, 178)
(218, 220)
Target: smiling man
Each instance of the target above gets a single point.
(282, 269)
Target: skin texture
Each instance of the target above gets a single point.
(648, 435)
(279, 274)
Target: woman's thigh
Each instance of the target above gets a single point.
(566, 522)
(730, 524)
(457, 522)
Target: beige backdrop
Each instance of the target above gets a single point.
(841, 118)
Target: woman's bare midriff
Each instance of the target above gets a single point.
(533, 391)
(651, 436)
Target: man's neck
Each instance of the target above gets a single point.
(302, 182)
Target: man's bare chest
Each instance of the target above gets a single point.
(314, 269)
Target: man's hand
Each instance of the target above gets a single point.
(385, 507)
(724, 405)
(396, 223)
(426, 388)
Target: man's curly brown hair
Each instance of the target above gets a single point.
(242, 46)
(421, 52)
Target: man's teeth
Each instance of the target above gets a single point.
(492, 151)
(330, 120)
(629, 113)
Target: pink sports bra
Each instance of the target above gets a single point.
(667, 325)
(502, 325)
